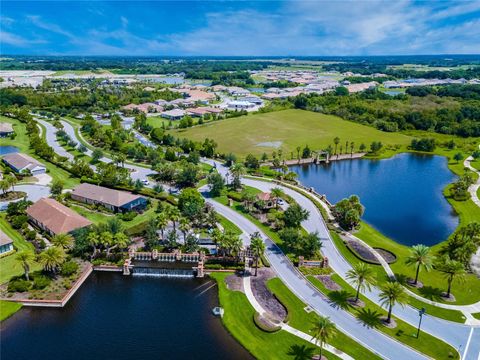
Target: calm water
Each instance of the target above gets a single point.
(119, 317)
(402, 195)
(4, 150)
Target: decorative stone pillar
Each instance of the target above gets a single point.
(325, 262)
(155, 254)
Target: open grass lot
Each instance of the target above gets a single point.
(8, 308)
(291, 128)
(301, 320)
(238, 319)
(22, 142)
(371, 315)
(8, 265)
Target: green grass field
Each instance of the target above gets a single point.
(290, 128)
(238, 319)
(8, 308)
(8, 265)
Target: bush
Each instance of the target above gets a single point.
(30, 235)
(236, 196)
(19, 286)
(128, 216)
(18, 221)
(69, 268)
(41, 282)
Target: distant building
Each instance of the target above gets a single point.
(55, 218)
(115, 200)
(175, 114)
(240, 105)
(6, 244)
(22, 163)
(6, 129)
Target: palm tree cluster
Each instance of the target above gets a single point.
(257, 246)
(227, 243)
(9, 181)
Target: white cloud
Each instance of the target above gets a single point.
(18, 41)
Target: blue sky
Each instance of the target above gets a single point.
(235, 28)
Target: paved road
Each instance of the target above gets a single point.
(34, 193)
(457, 335)
(370, 338)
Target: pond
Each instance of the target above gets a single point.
(125, 317)
(402, 195)
(8, 149)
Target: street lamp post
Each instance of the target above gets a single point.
(421, 312)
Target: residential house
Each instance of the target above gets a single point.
(175, 114)
(266, 201)
(115, 200)
(22, 163)
(6, 243)
(240, 105)
(55, 218)
(6, 129)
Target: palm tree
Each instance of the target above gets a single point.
(184, 228)
(362, 276)
(12, 181)
(4, 185)
(120, 240)
(452, 270)
(237, 171)
(217, 237)
(392, 293)
(235, 245)
(52, 258)
(64, 241)
(421, 258)
(258, 247)
(323, 329)
(277, 193)
(25, 258)
(162, 222)
(336, 141)
(298, 152)
(174, 215)
(352, 147)
(93, 240)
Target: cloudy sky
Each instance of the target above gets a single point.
(239, 27)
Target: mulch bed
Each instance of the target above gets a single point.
(387, 255)
(362, 251)
(328, 282)
(234, 283)
(264, 297)
(12, 195)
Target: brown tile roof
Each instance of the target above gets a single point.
(104, 195)
(265, 196)
(21, 161)
(56, 217)
(4, 239)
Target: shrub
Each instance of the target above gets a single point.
(41, 282)
(236, 196)
(128, 216)
(18, 221)
(30, 235)
(69, 268)
(19, 286)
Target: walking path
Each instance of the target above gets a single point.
(247, 287)
(473, 189)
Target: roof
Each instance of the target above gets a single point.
(56, 217)
(4, 239)
(21, 161)
(265, 196)
(105, 195)
(6, 127)
(174, 112)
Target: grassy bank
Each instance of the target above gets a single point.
(8, 308)
(371, 315)
(238, 319)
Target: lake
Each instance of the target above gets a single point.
(125, 317)
(402, 195)
(8, 149)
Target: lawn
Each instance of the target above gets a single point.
(371, 313)
(8, 265)
(301, 320)
(8, 308)
(290, 128)
(238, 319)
(435, 283)
(22, 142)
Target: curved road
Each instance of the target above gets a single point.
(463, 337)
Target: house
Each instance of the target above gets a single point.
(175, 114)
(21, 163)
(198, 112)
(55, 218)
(240, 105)
(115, 200)
(266, 201)
(6, 244)
(6, 129)
(253, 99)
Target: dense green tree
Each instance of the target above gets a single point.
(191, 203)
(294, 216)
(217, 184)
